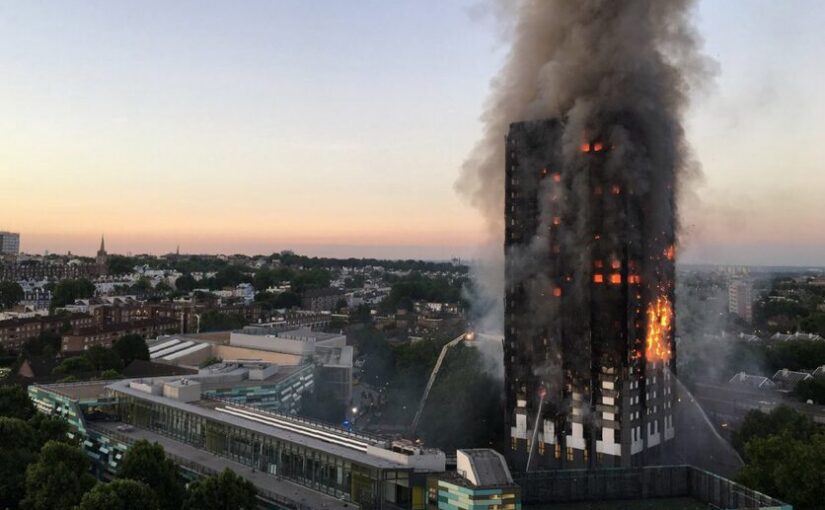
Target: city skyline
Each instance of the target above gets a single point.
(162, 127)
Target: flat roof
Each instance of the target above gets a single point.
(314, 443)
(489, 466)
(265, 482)
(79, 390)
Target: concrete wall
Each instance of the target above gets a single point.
(236, 353)
(272, 343)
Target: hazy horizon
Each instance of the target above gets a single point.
(335, 129)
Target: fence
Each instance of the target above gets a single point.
(571, 485)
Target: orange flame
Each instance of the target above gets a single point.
(659, 325)
(670, 252)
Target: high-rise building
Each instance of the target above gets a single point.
(740, 298)
(588, 307)
(9, 245)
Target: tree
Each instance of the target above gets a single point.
(226, 491)
(110, 374)
(788, 468)
(311, 279)
(15, 402)
(146, 462)
(67, 291)
(130, 348)
(464, 408)
(76, 366)
(211, 360)
(120, 495)
(812, 389)
(214, 320)
(266, 278)
(18, 449)
(11, 293)
(185, 283)
(229, 276)
(59, 478)
(163, 288)
(141, 286)
(362, 314)
(120, 265)
(782, 419)
(45, 344)
(102, 358)
(377, 354)
(50, 428)
(286, 300)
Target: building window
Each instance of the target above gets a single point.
(557, 452)
(569, 454)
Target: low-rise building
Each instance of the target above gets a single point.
(321, 300)
(786, 337)
(481, 481)
(15, 332)
(84, 338)
(786, 380)
(294, 462)
(751, 381)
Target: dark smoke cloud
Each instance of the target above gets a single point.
(591, 63)
(576, 60)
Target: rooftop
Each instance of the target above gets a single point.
(361, 448)
(488, 467)
(80, 390)
(202, 460)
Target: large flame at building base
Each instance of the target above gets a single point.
(659, 326)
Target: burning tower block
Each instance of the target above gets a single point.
(589, 350)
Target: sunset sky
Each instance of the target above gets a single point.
(337, 128)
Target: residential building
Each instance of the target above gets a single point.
(798, 336)
(9, 245)
(15, 332)
(83, 338)
(751, 381)
(321, 300)
(740, 299)
(589, 273)
(786, 380)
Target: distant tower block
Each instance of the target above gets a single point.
(588, 308)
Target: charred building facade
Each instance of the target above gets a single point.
(589, 272)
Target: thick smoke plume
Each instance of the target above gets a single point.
(592, 64)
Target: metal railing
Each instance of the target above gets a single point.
(572, 485)
(299, 420)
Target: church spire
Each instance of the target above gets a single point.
(102, 258)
